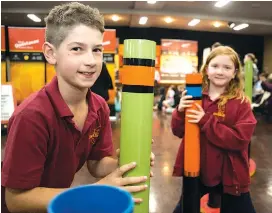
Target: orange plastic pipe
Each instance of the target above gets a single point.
(192, 133)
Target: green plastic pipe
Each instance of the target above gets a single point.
(137, 114)
(248, 70)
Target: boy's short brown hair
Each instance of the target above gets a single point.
(64, 17)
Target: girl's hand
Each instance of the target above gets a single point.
(196, 115)
(184, 101)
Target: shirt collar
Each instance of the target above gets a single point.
(52, 90)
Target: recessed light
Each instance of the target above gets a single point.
(115, 18)
(168, 20)
(221, 3)
(151, 2)
(240, 27)
(143, 20)
(231, 24)
(217, 24)
(193, 22)
(34, 18)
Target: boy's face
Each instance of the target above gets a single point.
(79, 57)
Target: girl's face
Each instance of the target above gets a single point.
(221, 70)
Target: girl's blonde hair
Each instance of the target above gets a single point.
(236, 85)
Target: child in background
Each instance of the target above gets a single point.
(226, 125)
(169, 99)
(117, 103)
(252, 57)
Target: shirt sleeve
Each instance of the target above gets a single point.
(234, 138)
(104, 145)
(178, 123)
(25, 151)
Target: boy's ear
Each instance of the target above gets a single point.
(49, 53)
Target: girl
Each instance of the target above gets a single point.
(226, 124)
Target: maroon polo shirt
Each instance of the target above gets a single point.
(45, 148)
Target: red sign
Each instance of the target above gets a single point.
(180, 46)
(22, 39)
(109, 41)
(3, 39)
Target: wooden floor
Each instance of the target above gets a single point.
(165, 189)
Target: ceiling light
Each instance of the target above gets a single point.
(168, 20)
(193, 22)
(217, 24)
(34, 18)
(231, 24)
(115, 18)
(221, 3)
(240, 27)
(151, 2)
(143, 20)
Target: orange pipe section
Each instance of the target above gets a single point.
(192, 135)
(195, 78)
(138, 75)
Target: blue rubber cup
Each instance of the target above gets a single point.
(92, 199)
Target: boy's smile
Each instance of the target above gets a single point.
(87, 74)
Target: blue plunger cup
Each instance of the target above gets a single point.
(92, 199)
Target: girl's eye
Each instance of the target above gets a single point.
(76, 49)
(214, 65)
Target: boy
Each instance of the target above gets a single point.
(56, 130)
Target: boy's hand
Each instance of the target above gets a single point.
(116, 179)
(196, 115)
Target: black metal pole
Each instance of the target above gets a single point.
(190, 195)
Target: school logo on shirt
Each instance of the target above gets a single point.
(221, 112)
(94, 135)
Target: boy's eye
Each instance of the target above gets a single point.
(97, 50)
(76, 49)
